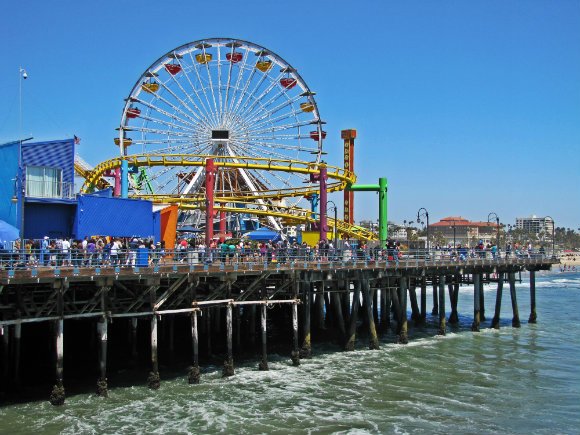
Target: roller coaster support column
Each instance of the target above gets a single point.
(223, 227)
(323, 225)
(124, 179)
(382, 189)
(209, 183)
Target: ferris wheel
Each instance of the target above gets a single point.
(227, 98)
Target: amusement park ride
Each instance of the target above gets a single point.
(228, 129)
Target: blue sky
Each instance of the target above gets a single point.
(466, 107)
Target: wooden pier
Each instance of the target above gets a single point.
(220, 307)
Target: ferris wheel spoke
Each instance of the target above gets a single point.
(250, 150)
(242, 69)
(163, 112)
(199, 147)
(202, 86)
(183, 103)
(278, 128)
(268, 112)
(248, 104)
(200, 108)
(174, 107)
(161, 132)
(173, 125)
(258, 105)
(211, 86)
(219, 89)
(260, 144)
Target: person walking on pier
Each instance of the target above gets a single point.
(44, 251)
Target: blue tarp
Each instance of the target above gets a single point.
(263, 234)
(8, 233)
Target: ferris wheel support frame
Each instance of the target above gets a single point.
(209, 184)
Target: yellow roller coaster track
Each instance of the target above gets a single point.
(242, 203)
(340, 176)
(290, 215)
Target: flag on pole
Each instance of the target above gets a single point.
(77, 139)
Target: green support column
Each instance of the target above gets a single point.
(381, 188)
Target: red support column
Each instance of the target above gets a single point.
(117, 188)
(209, 200)
(222, 225)
(323, 227)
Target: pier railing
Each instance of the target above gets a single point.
(251, 259)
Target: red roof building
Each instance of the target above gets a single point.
(458, 230)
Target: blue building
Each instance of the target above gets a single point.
(40, 188)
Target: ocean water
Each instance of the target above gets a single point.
(511, 381)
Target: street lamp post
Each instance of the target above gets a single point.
(420, 214)
(553, 235)
(497, 222)
(335, 220)
(23, 75)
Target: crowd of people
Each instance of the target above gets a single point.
(134, 251)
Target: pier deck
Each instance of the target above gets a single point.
(331, 293)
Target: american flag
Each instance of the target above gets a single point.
(77, 140)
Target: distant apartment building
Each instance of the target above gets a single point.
(536, 225)
(458, 230)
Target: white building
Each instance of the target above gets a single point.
(536, 225)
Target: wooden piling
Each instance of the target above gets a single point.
(368, 297)
(339, 320)
(442, 326)
(533, 316)
(58, 395)
(498, 296)
(306, 350)
(319, 307)
(228, 369)
(154, 381)
(403, 285)
(516, 314)
(435, 309)
(415, 313)
(476, 301)
(16, 356)
(453, 299)
(481, 300)
(423, 298)
(264, 363)
(6, 353)
(134, 322)
(102, 388)
(252, 326)
(194, 374)
(295, 345)
(351, 338)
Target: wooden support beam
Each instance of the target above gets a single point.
(476, 302)
(264, 362)
(498, 296)
(442, 326)
(368, 298)
(533, 315)
(102, 388)
(516, 313)
(228, 369)
(194, 372)
(351, 338)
